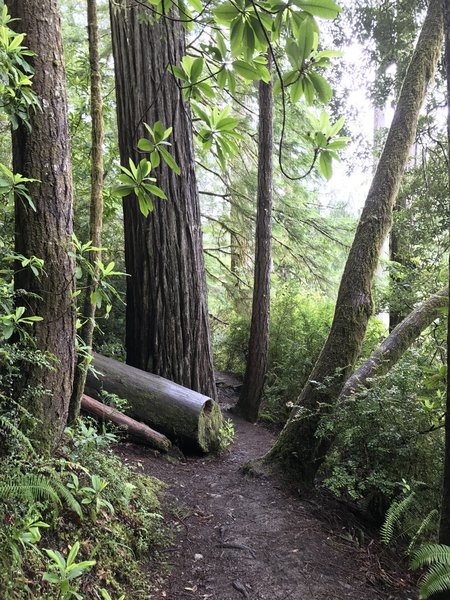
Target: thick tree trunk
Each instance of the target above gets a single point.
(444, 528)
(43, 153)
(188, 418)
(138, 431)
(96, 207)
(167, 329)
(255, 372)
(392, 349)
(297, 448)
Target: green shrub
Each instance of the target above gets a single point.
(389, 436)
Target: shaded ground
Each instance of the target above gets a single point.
(245, 537)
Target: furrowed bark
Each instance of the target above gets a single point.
(255, 372)
(395, 345)
(167, 328)
(43, 153)
(297, 449)
(96, 206)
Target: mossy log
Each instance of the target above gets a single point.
(139, 431)
(189, 419)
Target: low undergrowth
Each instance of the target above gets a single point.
(80, 524)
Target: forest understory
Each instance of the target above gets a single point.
(240, 536)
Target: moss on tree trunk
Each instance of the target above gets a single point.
(297, 448)
(42, 153)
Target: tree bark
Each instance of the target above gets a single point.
(444, 527)
(395, 345)
(255, 372)
(297, 449)
(167, 328)
(96, 206)
(188, 418)
(43, 153)
(136, 430)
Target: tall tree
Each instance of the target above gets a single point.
(297, 448)
(444, 528)
(42, 153)
(167, 329)
(255, 372)
(96, 205)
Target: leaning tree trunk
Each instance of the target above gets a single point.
(297, 449)
(96, 206)
(167, 329)
(444, 528)
(43, 153)
(255, 372)
(395, 345)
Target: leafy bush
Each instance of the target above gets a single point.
(84, 499)
(299, 326)
(388, 440)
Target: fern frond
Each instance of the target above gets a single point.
(32, 488)
(430, 554)
(436, 580)
(393, 516)
(13, 430)
(424, 526)
(66, 495)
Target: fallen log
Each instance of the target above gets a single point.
(135, 429)
(395, 345)
(188, 418)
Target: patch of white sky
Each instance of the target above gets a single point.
(353, 173)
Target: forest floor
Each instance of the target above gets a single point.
(239, 536)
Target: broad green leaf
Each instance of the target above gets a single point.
(226, 13)
(337, 127)
(325, 166)
(245, 70)
(155, 190)
(296, 91)
(308, 90)
(236, 36)
(145, 145)
(197, 68)
(327, 9)
(170, 161)
(248, 40)
(322, 87)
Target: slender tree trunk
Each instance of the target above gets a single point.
(396, 254)
(43, 153)
(96, 207)
(255, 372)
(444, 529)
(395, 345)
(167, 329)
(297, 448)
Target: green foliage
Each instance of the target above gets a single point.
(136, 179)
(299, 326)
(227, 434)
(17, 98)
(112, 512)
(62, 571)
(385, 436)
(437, 578)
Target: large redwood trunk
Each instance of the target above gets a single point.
(43, 153)
(167, 329)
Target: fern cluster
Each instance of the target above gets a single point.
(437, 579)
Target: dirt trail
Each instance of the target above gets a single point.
(245, 537)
